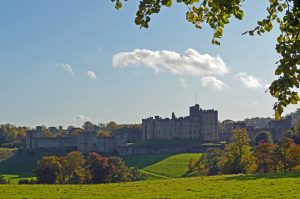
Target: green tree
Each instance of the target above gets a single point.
(209, 162)
(49, 170)
(264, 136)
(217, 13)
(122, 173)
(72, 168)
(282, 152)
(237, 157)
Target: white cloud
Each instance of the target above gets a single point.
(216, 84)
(82, 117)
(67, 67)
(92, 75)
(251, 81)
(190, 62)
(183, 82)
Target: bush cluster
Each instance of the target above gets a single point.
(239, 157)
(75, 169)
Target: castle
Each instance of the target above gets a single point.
(200, 124)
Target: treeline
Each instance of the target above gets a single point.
(239, 157)
(12, 136)
(74, 168)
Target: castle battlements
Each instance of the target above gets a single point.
(200, 124)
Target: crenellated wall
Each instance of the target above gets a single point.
(200, 124)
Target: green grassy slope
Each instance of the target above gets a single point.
(158, 166)
(21, 165)
(174, 166)
(161, 166)
(231, 186)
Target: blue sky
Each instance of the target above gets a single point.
(56, 64)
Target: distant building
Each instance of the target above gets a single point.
(200, 124)
(84, 141)
(278, 128)
(229, 126)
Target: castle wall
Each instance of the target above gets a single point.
(52, 142)
(88, 141)
(201, 124)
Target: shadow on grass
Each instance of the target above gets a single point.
(22, 163)
(261, 176)
(142, 161)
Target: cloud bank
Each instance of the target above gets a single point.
(67, 67)
(250, 81)
(210, 81)
(190, 63)
(91, 75)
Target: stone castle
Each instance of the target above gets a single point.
(200, 124)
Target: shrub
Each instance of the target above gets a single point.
(136, 174)
(3, 180)
(27, 181)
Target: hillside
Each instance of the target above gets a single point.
(230, 186)
(159, 166)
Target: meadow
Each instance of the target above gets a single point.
(164, 180)
(227, 186)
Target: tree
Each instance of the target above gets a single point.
(293, 157)
(237, 157)
(209, 162)
(122, 173)
(264, 136)
(100, 169)
(72, 168)
(217, 13)
(282, 152)
(48, 170)
(263, 157)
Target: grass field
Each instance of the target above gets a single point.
(230, 186)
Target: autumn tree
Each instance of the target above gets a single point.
(293, 157)
(100, 168)
(237, 157)
(218, 13)
(263, 157)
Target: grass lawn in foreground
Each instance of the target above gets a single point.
(228, 186)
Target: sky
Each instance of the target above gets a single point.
(66, 62)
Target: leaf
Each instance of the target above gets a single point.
(118, 5)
